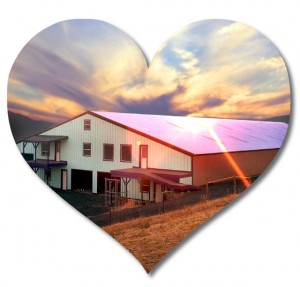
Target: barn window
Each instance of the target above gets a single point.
(145, 185)
(108, 152)
(45, 149)
(87, 124)
(87, 149)
(126, 152)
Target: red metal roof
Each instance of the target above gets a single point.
(163, 177)
(203, 135)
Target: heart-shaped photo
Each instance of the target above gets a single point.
(149, 153)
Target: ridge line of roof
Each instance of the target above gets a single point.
(141, 133)
(188, 117)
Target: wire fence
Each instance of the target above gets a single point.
(212, 190)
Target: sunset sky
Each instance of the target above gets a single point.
(213, 68)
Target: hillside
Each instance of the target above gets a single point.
(283, 119)
(23, 127)
(149, 239)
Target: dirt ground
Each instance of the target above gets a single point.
(149, 239)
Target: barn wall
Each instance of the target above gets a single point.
(101, 132)
(186, 180)
(55, 171)
(30, 149)
(56, 176)
(134, 190)
(55, 180)
(217, 166)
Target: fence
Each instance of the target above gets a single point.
(212, 190)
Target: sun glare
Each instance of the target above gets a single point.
(207, 124)
(229, 158)
(196, 125)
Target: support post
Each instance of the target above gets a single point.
(126, 182)
(24, 145)
(35, 145)
(234, 184)
(206, 189)
(110, 214)
(47, 170)
(35, 169)
(163, 195)
(48, 153)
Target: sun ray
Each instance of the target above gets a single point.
(230, 159)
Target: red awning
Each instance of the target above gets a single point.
(164, 177)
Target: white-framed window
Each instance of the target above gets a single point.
(87, 149)
(45, 149)
(87, 125)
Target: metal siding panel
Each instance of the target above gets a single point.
(40, 173)
(28, 148)
(134, 189)
(56, 177)
(186, 180)
(214, 167)
(101, 132)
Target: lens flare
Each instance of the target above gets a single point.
(231, 161)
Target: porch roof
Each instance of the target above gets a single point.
(44, 139)
(44, 163)
(160, 176)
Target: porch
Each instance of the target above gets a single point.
(47, 161)
(152, 182)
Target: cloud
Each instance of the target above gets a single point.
(231, 64)
(211, 102)
(213, 68)
(81, 63)
(161, 105)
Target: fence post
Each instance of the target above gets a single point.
(234, 185)
(206, 189)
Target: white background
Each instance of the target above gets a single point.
(44, 242)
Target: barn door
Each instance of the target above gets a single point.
(143, 156)
(64, 179)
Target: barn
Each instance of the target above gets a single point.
(149, 154)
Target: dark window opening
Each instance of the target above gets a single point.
(81, 180)
(126, 153)
(87, 124)
(145, 185)
(87, 149)
(108, 152)
(45, 149)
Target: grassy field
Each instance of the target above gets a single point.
(150, 238)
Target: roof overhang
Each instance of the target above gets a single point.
(168, 178)
(43, 163)
(44, 139)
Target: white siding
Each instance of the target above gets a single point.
(30, 149)
(186, 180)
(133, 189)
(160, 156)
(55, 172)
